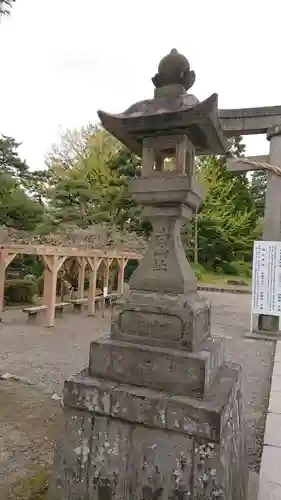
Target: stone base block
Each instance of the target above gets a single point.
(129, 443)
(263, 335)
(162, 319)
(267, 323)
(163, 369)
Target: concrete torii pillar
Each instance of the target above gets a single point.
(53, 264)
(272, 214)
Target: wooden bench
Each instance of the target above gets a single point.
(99, 301)
(35, 311)
(59, 307)
(110, 299)
(78, 304)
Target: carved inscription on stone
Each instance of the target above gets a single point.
(160, 250)
(150, 324)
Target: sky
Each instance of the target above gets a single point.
(62, 60)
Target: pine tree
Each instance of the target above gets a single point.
(17, 209)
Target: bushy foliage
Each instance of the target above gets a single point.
(20, 291)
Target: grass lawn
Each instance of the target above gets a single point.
(209, 278)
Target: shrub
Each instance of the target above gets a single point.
(19, 291)
(228, 268)
(245, 268)
(236, 268)
(198, 270)
(30, 277)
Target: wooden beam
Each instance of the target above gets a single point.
(48, 262)
(248, 121)
(9, 258)
(68, 251)
(93, 262)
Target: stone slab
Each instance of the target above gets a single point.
(275, 402)
(262, 335)
(164, 369)
(270, 473)
(275, 383)
(273, 430)
(269, 490)
(271, 464)
(200, 418)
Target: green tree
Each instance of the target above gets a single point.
(126, 165)
(258, 188)
(88, 180)
(17, 209)
(10, 161)
(83, 189)
(227, 222)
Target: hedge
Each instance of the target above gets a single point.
(19, 291)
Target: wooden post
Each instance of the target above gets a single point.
(122, 264)
(94, 264)
(81, 276)
(107, 263)
(52, 265)
(5, 260)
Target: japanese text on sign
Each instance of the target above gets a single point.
(266, 280)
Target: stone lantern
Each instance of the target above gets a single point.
(157, 414)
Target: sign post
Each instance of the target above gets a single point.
(266, 280)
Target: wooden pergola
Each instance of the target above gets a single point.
(54, 257)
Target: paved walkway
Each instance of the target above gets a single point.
(48, 356)
(270, 473)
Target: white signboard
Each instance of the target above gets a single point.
(266, 280)
(105, 291)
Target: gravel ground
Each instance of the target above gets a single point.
(29, 426)
(48, 356)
